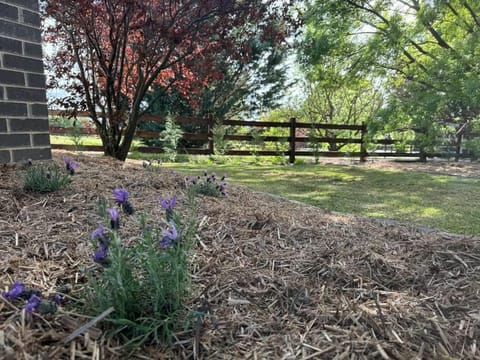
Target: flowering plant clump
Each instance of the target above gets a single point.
(145, 279)
(152, 165)
(208, 185)
(34, 302)
(45, 178)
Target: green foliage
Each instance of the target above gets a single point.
(220, 144)
(472, 146)
(257, 143)
(208, 185)
(313, 135)
(76, 134)
(145, 278)
(422, 56)
(170, 138)
(44, 178)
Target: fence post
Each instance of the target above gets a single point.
(210, 135)
(293, 128)
(363, 146)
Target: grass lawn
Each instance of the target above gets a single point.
(445, 202)
(83, 140)
(69, 140)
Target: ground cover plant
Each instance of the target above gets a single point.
(144, 279)
(439, 201)
(270, 278)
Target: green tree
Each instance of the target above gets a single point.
(422, 52)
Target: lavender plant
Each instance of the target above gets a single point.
(35, 303)
(208, 184)
(152, 165)
(146, 281)
(45, 178)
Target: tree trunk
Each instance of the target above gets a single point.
(458, 146)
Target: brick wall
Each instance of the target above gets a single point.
(23, 107)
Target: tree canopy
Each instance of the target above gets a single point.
(422, 53)
(110, 53)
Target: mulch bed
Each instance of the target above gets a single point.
(276, 279)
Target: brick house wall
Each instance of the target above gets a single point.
(24, 130)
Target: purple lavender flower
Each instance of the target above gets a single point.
(70, 164)
(100, 234)
(168, 203)
(32, 303)
(101, 255)
(147, 230)
(114, 218)
(224, 177)
(15, 291)
(169, 236)
(121, 196)
(56, 299)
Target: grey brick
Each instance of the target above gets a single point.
(10, 45)
(32, 18)
(36, 80)
(22, 63)
(40, 110)
(3, 125)
(8, 12)
(13, 109)
(19, 31)
(34, 154)
(28, 125)
(9, 77)
(23, 94)
(33, 50)
(8, 141)
(5, 156)
(41, 139)
(29, 4)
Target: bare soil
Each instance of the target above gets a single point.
(277, 279)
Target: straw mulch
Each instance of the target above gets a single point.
(275, 279)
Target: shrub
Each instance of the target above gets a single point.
(147, 280)
(472, 146)
(45, 178)
(170, 138)
(221, 145)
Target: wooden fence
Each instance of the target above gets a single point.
(296, 139)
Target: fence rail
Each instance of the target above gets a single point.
(294, 139)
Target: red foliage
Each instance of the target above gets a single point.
(110, 52)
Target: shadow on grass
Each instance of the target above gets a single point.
(438, 201)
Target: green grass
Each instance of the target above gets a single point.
(444, 202)
(85, 140)
(68, 140)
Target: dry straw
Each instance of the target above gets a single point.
(272, 279)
